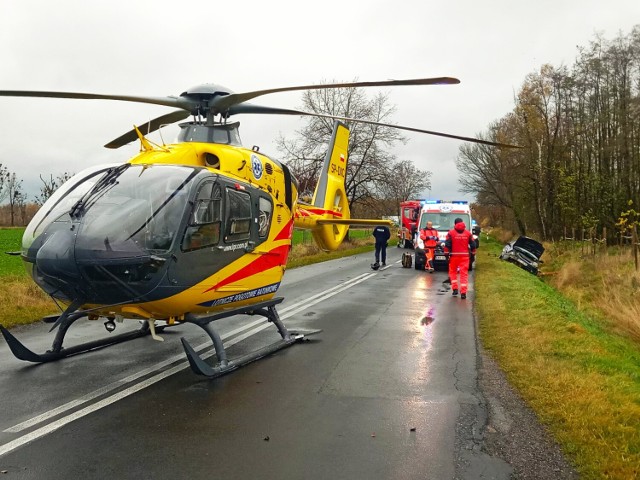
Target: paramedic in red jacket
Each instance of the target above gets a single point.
(458, 245)
(429, 236)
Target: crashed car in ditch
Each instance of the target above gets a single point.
(524, 252)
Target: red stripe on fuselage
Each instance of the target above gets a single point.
(273, 258)
(286, 232)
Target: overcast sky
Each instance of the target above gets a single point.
(160, 48)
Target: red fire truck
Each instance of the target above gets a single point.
(409, 215)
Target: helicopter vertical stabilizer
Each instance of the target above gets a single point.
(330, 197)
(328, 216)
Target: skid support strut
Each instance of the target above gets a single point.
(266, 309)
(57, 352)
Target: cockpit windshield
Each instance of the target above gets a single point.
(62, 201)
(143, 205)
(118, 205)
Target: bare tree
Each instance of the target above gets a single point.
(4, 179)
(368, 163)
(17, 197)
(50, 186)
(496, 176)
(581, 130)
(404, 181)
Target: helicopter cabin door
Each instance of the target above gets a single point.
(227, 220)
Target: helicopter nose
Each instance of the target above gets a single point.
(55, 259)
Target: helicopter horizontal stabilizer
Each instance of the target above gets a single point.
(361, 222)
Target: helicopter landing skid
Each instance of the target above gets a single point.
(268, 310)
(21, 352)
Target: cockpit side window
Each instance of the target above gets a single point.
(205, 221)
(264, 216)
(238, 222)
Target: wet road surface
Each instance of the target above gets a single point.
(387, 390)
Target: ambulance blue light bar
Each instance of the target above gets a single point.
(434, 202)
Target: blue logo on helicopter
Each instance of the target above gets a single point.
(256, 167)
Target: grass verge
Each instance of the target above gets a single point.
(308, 254)
(581, 378)
(22, 302)
(605, 283)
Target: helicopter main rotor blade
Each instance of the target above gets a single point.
(148, 127)
(218, 100)
(220, 104)
(166, 101)
(248, 108)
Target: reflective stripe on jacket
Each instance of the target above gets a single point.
(429, 236)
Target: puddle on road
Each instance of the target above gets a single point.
(428, 317)
(446, 286)
(426, 321)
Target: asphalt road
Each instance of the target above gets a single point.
(388, 390)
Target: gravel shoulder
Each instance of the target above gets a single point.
(512, 431)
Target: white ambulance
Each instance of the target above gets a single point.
(442, 213)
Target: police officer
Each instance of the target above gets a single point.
(382, 235)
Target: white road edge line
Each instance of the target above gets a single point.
(46, 429)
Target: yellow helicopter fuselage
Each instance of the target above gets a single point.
(228, 213)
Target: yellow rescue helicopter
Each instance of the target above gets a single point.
(189, 232)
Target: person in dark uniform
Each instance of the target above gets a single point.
(382, 235)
